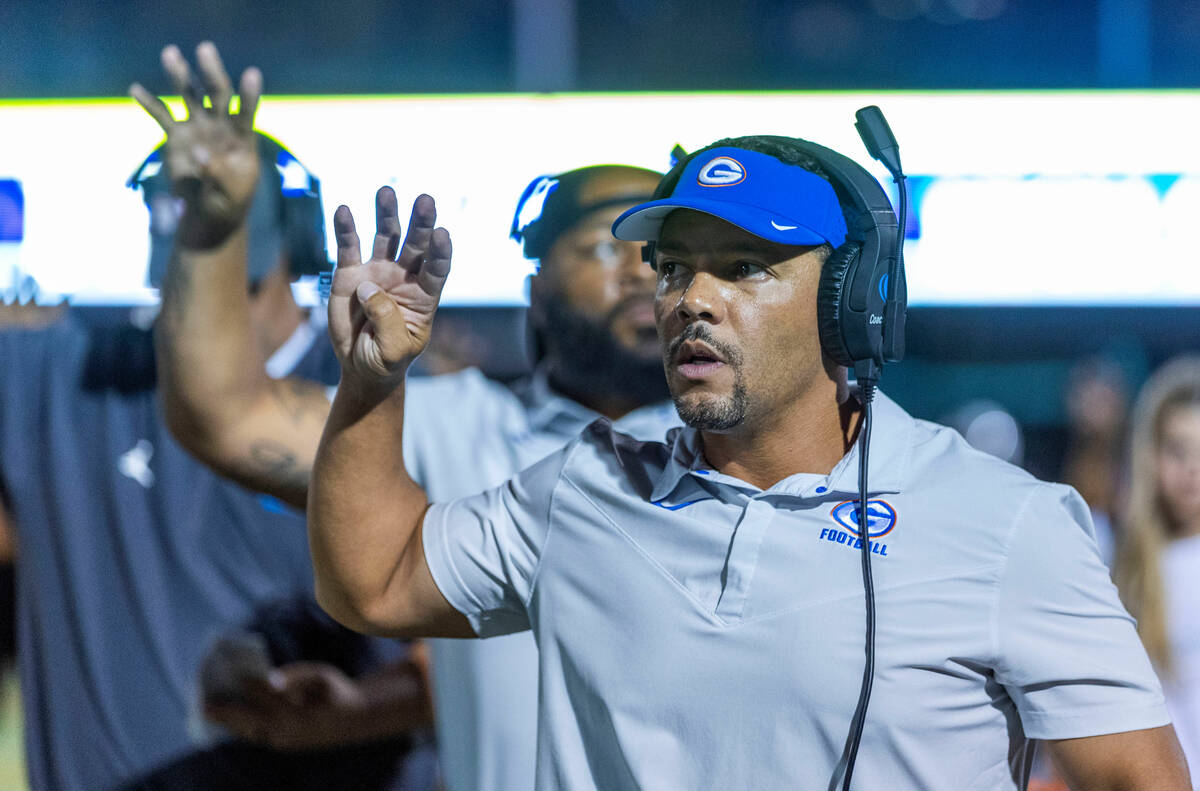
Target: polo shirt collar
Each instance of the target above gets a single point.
(551, 412)
(892, 436)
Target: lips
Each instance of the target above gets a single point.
(697, 360)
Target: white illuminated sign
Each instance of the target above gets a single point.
(1018, 198)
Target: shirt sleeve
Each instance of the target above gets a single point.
(483, 551)
(1068, 652)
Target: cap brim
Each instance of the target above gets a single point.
(643, 222)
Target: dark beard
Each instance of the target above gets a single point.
(586, 359)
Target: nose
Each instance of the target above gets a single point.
(701, 300)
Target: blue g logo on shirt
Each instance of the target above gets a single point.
(881, 517)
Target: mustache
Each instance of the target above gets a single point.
(701, 332)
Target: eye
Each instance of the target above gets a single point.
(666, 268)
(605, 250)
(745, 269)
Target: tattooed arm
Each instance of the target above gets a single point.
(217, 397)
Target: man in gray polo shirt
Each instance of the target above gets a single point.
(696, 602)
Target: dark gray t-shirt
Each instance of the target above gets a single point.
(132, 556)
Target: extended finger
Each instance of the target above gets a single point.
(348, 251)
(249, 92)
(436, 265)
(155, 106)
(420, 226)
(181, 76)
(387, 225)
(216, 79)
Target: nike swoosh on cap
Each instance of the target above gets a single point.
(779, 227)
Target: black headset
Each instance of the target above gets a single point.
(287, 201)
(862, 304)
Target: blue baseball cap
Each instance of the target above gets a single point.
(756, 192)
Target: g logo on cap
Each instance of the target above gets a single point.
(721, 172)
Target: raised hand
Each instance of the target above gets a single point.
(381, 311)
(211, 156)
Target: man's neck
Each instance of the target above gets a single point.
(812, 435)
(274, 313)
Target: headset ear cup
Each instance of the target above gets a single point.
(829, 301)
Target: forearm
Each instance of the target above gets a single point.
(210, 370)
(364, 512)
(270, 446)
(1143, 760)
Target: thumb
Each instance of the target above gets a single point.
(375, 302)
(391, 334)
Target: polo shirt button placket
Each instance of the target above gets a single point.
(743, 558)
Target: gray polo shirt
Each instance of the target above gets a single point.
(463, 434)
(698, 632)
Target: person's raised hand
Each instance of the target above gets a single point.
(211, 157)
(381, 311)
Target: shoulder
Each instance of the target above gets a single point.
(968, 488)
(467, 384)
(603, 458)
(465, 403)
(940, 457)
(48, 338)
(56, 352)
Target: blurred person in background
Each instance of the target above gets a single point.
(132, 557)
(595, 350)
(1158, 559)
(334, 715)
(455, 345)
(18, 308)
(1097, 403)
(989, 427)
